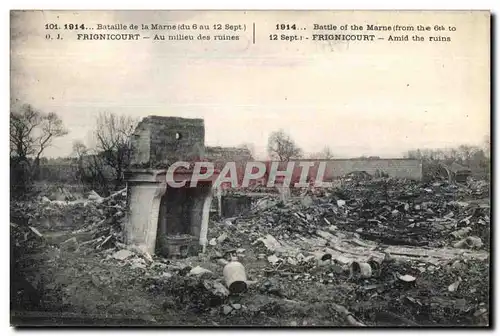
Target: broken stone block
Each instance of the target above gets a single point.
(462, 232)
(324, 234)
(220, 290)
(198, 271)
(437, 227)
(227, 309)
(307, 201)
(222, 238)
(137, 263)
(70, 245)
(469, 242)
(167, 275)
(212, 242)
(454, 286)
(300, 257)
(141, 250)
(309, 258)
(222, 262)
(273, 259)
(406, 278)
(122, 254)
(270, 242)
(93, 196)
(332, 228)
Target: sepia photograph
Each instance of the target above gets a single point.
(232, 168)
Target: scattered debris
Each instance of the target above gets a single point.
(222, 238)
(226, 309)
(469, 242)
(273, 259)
(122, 254)
(70, 245)
(454, 286)
(198, 271)
(406, 278)
(364, 242)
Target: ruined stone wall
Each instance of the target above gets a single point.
(221, 155)
(160, 141)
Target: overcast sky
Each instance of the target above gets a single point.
(376, 98)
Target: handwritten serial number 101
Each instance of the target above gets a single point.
(67, 26)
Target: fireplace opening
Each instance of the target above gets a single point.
(180, 221)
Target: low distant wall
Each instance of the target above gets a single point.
(335, 168)
(403, 168)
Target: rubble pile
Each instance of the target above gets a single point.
(416, 293)
(93, 222)
(198, 293)
(370, 251)
(26, 239)
(55, 215)
(391, 211)
(434, 271)
(109, 230)
(29, 251)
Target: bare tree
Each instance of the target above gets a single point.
(476, 158)
(327, 153)
(91, 167)
(79, 149)
(282, 147)
(51, 127)
(31, 133)
(22, 125)
(112, 136)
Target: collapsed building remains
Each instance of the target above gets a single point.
(174, 221)
(161, 219)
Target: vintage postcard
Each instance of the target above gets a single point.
(250, 168)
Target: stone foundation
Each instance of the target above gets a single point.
(159, 214)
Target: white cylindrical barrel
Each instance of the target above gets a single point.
(235, 277)
(361, 270)
(375, 266)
